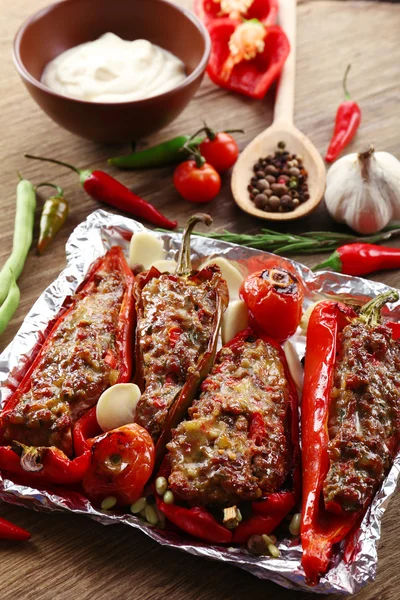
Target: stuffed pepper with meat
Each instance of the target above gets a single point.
(178, 320)
(233, 464)
(350, 422)
(87, 349)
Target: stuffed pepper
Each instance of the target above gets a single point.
(350, 422)
(178, 320)
(87, 349)
(233, 465)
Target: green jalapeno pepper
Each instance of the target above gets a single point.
(166, 153)
(54, 214)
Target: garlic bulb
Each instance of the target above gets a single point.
(363, 190)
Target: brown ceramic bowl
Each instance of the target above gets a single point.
(66, 24)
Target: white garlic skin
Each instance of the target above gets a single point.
(364, 191)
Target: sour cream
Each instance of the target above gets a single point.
(114, 70)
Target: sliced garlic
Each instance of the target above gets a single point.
(294, 364)
(165, 266)
(232, 275)
(306, 316)
(235, 319)
(117, 406)
(145, 248)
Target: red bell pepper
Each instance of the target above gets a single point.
(246, 57)
(320, 528)
(50, 465)
(210, 11)
(267, 513)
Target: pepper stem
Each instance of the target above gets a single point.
(344, 84)
(60, 191)
(184, 266)
(333, 262)
(55, 161)
(31, 456)
(370, 313)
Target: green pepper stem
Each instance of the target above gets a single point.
(55, 161)
(184, 266)
(60, 191)
(344, 84)
(333, 262)
(370, 313)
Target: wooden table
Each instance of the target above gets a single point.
(71, 557)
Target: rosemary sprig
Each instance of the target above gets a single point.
(306, 243)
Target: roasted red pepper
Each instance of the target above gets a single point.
(101, 186)
(348, 119)
(121, 463)
(322, 528)
(9, 531)
(268, 512)
(361, 259)
(246, 57)
(46, 463)
(274, 298)
(210, 11)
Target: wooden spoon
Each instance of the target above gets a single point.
(282, 129)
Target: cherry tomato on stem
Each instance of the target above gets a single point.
(219, 149)
(122, 461)
(274, 298)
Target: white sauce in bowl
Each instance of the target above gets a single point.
(114, 70)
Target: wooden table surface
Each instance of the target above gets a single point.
(72, 557)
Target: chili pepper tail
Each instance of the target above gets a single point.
(317, 552)
(9, 531)
(333, 262)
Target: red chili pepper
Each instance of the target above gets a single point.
(348, 119)
(9, 531)
(232, 70)
(196, 521)
(103, 187)
(211, 11)
(49, 465)
(361, 259)
(320, 528)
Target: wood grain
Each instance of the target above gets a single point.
(71, 557)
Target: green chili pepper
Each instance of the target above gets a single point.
(10, 305)
(54, 214)
(167, 153)
(22, 240)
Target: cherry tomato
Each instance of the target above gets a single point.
(197, 184)
(275, 300)
(221, 152)
(121, 463)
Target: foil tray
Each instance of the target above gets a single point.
(90, 240)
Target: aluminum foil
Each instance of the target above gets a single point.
(92, 239)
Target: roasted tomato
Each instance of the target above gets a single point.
(121, 463)
(274, 299)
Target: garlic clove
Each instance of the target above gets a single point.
(145, 248)
(234, 319)
(230, 272)
(294, 364)
(117, 406)
(165, 266)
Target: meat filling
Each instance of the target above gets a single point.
(72, 373)
(364, 416)
(174, 331)
(235, 445)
